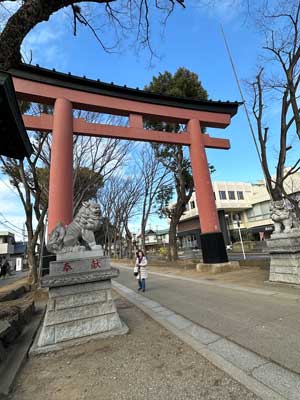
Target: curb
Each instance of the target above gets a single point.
(266, 379)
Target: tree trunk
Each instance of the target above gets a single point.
(31, 13)
(128, 241)
(32, 263)
(276, 193)
(143, 236)
(172, 249)
(109, 244)
(18, 26)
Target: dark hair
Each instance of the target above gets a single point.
(140, 251)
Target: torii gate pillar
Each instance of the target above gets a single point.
(212, 241)
(61, 166)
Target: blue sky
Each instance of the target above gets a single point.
(192, 39)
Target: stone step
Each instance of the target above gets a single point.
(14, 315)
(17, 354)
(14, 294)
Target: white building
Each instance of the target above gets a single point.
(154, 239)
(11, 250)
(7, 241)
(248, 203)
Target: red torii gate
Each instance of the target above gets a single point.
(67, 92)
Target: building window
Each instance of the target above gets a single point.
(192, 203)
(240, 195)
(231, 195)
(222, 195)
(215, 195)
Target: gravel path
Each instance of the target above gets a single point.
(148, 363)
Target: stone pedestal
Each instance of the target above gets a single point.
(218, 268)
(284, 249)
(80, 304)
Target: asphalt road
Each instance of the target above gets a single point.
(266, 324)
(12, 278)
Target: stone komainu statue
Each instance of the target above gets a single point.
(284, 218)
(80, 232)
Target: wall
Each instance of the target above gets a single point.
(6, 248)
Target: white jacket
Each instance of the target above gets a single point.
(143, 273)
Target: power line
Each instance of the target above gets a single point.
(9, 187)
(245, 106)
(10, 228)
(6, 221)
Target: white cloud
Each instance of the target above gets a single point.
(45, 42)
(11, 209)
(225, 10)
(7, 9)
(9, 199)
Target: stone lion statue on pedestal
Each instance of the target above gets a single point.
(80, 232)
(284, 218)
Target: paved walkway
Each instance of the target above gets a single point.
(123, 368)
(266, 322)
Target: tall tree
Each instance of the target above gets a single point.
(153, 175)
(24, 176)
(277, 85)
(132, 16)
(175, 157)
(118, 200)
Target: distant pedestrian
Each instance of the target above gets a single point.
(4, 269)
(140, 270)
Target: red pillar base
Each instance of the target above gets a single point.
(213, 248)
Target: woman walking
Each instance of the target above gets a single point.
(140, 270)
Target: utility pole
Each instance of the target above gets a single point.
(42, 251)
(241, 239)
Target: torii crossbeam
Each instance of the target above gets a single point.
(67, 92)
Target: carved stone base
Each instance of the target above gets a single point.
(80, 301)
(284, 249)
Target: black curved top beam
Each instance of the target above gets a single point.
(52, 77)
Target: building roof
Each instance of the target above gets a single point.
(162, 231)
(6, 233)
(14, 141)
(52, 77)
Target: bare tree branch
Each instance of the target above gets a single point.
(32, 12)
